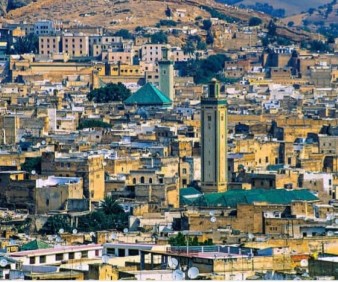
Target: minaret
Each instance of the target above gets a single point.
(214, 141)
(166, 68)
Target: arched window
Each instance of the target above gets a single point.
(142, 179)
(150, 180)
(134, 180)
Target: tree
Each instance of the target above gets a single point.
(110, 93)
(272, 28)
(254, 21)
(90, 123)
(201, 45)
(159, 38)
(168, 12)
(189, 47)
(181, 240)
(210, 38)
(124, 33)
(32, 164)
(26, 44)
(207, 24)
(55, 223)
(311, 11)
(291, 24)
(109, 206)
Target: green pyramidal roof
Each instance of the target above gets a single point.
(148, 95)
(34, 245)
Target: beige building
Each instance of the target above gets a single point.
(214, 141)
(52, 193)
(115, 57)
(49, 44)
(151, 53)
(76, 45)
(89, 167)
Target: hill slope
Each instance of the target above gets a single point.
(291, 7)
(124, 13)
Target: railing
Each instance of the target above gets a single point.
(209, 249)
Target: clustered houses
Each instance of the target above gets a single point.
(251, 167)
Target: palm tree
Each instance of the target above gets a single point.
(110, 206)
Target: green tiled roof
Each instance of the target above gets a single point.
(34, 245)
(232, 198)
(189, 191)
(148, 95)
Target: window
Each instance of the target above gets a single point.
(42, 259)
(134, 180)
(209, 118)
(184, 171)
(84, 254)
(71, 255)
(142, 179)
(150, 180)
(58, 257)
(32, 260)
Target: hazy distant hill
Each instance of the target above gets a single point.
(8, 5)
(290, 6)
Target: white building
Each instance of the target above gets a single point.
(56, 256)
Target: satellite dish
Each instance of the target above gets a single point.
(43, 142)
(74, 231)
(58, 239)
(178, 275)
(304, 263)
(172, 263)
(336, 221)
(251, 236)
(3, 262)
(104, 163)
(105, 259)
(38, 145)
(213, 219)
(22, 139)
(330, 233)
(92, 234)
(61, 230)
(125, 230)
(113, 236)
(33, 172)
(193, 272)
(212, 213)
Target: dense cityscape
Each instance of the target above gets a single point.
(168, 140)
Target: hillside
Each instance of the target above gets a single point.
(117, 14)
(323, 20)
(129, 14)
